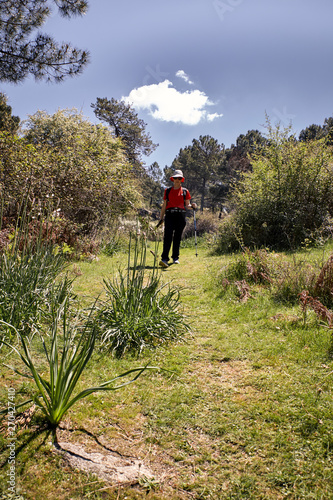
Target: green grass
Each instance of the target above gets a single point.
(247, 414)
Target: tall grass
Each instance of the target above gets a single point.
(140, 311)
(27, 285)
(29, 268)
(290, 281)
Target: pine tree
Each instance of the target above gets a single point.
(126, 125)
(8, 122)
(22, 55)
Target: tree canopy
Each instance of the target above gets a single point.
(201, 163)
(71, 163)
(22, 55)
(126, 125)
(314, 132)
(8, 122)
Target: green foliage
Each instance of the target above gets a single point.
(249, 414)
(8, 122)
(210, 169)
(206, 223)
(22, 55)
(29, 268)
(72, 165)
(67, 355)
(253, 267)
(140, 312)
(285, 198)
(315, 132)
(111, 246)
(238, 156)
(290, 279)
(323, 286)
(152, 190)
(126, 125)
(202, 166)
(27, 288)
(18, 161)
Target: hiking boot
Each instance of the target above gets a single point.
(164, 263)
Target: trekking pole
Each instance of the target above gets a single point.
(195, 233)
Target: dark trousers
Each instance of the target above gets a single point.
(174, 224)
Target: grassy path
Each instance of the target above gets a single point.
(246, 415)
(250, 414)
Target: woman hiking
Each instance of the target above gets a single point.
(176, 201)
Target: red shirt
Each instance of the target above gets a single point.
(176, 198)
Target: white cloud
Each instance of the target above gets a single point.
(165, 103)
(181, 74)
(212, 116)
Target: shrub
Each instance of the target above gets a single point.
(248, 268)
(228, 239)
(285, 198)
(292, 277)
(296, 277)
(287, 279)
(140, 312)
(254, 267)
(206, 223)
(71, 163)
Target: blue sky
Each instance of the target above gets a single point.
(196, 67)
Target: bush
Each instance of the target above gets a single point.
(295, 277)
(30, 265)
(206, 222)
(285, 199)
(248, 268)
(288, 280)
(228, 237)
(140, 312)
(67, 162)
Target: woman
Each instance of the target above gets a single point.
(176, 201)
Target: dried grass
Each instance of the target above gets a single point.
(321, 311)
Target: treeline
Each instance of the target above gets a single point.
(277, 188)
(211, 169)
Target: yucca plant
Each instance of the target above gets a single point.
(140, 311)
(67, 350)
